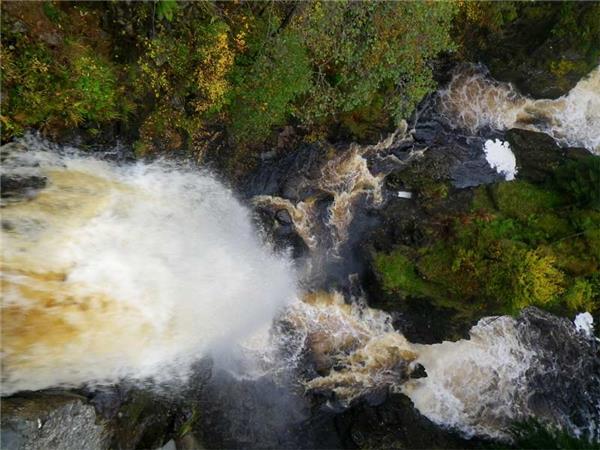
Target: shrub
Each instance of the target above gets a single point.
(580, 180)
(582, 296)
(360, 50)
(536, 280)
(264, 92)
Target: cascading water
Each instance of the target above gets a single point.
(473, 100)
(125, 271)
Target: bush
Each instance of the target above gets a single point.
(264, 92)
(360, 50)
(580, 181)
(515, 249)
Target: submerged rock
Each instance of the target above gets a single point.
(395, 424)
(19, 186)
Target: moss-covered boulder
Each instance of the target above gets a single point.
(547, 48)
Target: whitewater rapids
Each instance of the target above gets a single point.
(473, 100)
(126, 271)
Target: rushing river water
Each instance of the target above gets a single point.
(113, 271)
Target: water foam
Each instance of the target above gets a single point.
(500, 157)
(126, 271)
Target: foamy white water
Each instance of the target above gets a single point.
(584, 323)
(500, 157)
(473, 100)
(132, 271)
(478, 385)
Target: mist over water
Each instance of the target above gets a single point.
(127, 271)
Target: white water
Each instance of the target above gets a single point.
(472, 100)
(500, 157)
(131, 271)
(584, 323)
(478, 385)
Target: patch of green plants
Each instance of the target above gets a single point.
(361, 50)
(399, 274)
(531, 434)
(265, 90)
(521, 245)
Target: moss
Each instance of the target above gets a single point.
(533, 435)
(520, 199)
(536, 280)
(482, 200)
(52, 12)
(579, 181)
(399, 275)
(188, 425)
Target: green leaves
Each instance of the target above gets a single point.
(265, 91)
(165, 9)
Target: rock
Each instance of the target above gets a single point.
(283, 216)
(418, 371)
(170, 445)
(279, 227)
(538, 155)
(20, 186)
(52, 421)
(395, 423)
(565, 374)
(539, 54)
(292, 176)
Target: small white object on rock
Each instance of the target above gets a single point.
(500, 157)
(584, 323)
(404, 194)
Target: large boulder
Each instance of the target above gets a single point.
(52, 421)
(538, 155)
(547, 49)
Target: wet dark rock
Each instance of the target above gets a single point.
(565, 372)
(418, 372)
(259, 414)
(284, 217)
(121, 417)
(280, 229)
(538, 155)
(395, 424)
(292, 176)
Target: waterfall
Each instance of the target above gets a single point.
(113, 271)
(136, 271)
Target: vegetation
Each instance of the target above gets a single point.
(520, 245)
(533, 435)
(176, 72)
